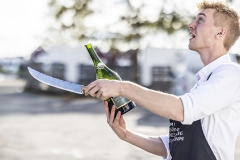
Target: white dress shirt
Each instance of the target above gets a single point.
(216, 102)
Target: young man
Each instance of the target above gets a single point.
(205, 122)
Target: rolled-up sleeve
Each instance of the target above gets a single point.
(188, 112)
(212, 95)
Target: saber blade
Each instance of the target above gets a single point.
(58, 83)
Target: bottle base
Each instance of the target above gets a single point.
(124, 109)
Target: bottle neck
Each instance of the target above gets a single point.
(96, 60)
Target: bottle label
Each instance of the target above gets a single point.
(120, 101)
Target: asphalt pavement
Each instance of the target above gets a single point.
(37, 126)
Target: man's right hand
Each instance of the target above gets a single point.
(118, 124)
(151, 144)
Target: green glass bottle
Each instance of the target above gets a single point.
(103, 72)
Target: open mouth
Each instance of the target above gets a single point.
(192, 36)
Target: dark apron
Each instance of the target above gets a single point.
(187, 142)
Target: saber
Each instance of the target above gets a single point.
(58, 83)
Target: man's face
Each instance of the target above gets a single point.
(203, 31)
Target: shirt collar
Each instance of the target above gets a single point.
(208, 69)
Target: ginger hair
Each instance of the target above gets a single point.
(224, 16)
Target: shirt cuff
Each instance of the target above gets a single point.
(165, 139)
(187, 109)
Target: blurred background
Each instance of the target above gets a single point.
(144, 41)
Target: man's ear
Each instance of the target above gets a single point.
(222, 32)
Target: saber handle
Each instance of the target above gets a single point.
(82, 89)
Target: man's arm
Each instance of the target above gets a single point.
(163, 104)
(150, 144)
(153, 145)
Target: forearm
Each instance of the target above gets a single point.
(163, 104)
(152, 145)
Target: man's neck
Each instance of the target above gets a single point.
(208, 55)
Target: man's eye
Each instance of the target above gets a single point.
(200, 19)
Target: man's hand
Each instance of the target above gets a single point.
(103, 89)
(118, 124)
(151, 144)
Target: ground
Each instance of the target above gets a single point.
(48, 127)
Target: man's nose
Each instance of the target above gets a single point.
(191, 25)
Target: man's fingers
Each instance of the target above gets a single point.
(89, 87)
(98, 94)
(117, 118)
(122, 120)
(112, 114)
(94, 91)
(106, 110)
(98, 89)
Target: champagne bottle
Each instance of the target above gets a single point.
(103, 72)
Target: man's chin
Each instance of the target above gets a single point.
(191, 47)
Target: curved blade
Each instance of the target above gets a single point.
(58, 83)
